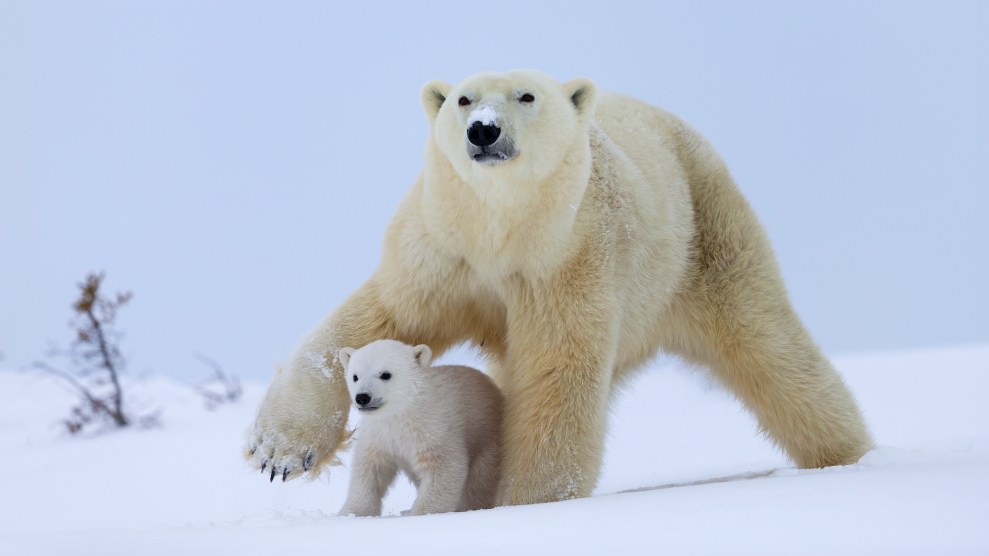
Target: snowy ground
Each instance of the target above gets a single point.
(685, 473)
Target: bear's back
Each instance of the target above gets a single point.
(630, 122)
(659, 143)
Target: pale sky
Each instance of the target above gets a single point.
(234, 164)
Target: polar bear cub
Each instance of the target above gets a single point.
(441, 426)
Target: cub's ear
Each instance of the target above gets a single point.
(344, 356)
(433, 95)
(583, 94)
(423, 355)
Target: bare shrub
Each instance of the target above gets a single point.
(220, 388)
(95, 360)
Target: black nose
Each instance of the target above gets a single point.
(483, 135)
(362, 399)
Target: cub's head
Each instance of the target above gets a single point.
(383, 376)
(523, 122)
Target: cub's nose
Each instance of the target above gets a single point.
(362, 399)
(483, 135)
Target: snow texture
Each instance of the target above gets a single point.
(484, 114)
(685, 473)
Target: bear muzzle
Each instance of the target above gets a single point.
(365, 403)
(497, 151)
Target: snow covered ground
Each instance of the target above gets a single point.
(685, 473)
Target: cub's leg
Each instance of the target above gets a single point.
(442, 478)
(482, 478)
(373, 472)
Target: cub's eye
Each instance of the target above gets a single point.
(527, 98)
(385, 375)
(464, 101)
(355, 378)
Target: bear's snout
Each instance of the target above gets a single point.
(362, 399)
(482, 134)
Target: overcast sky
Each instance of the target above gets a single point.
(234, 164)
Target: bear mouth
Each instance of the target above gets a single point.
(369, 407)
(492, 155)
(491, 158)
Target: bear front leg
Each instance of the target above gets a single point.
(302, 422)
(556, 385)
(372, 474)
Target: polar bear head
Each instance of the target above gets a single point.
(518, 126)
(383, 376)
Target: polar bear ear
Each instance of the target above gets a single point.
(423, 355)
(583, 93)
(344, 356)
(433, 95)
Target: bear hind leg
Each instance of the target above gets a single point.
(799, 399)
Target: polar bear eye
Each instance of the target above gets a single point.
(355, 378)
(464, 101)
(527, 98)
(385, 375)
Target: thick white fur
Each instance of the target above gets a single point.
(440, 426)
(615, 232)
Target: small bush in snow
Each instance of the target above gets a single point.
(95, 359)
(220, 388)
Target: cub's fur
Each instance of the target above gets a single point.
(438, 425)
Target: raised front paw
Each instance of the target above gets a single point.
(300, 427)
(276, 457)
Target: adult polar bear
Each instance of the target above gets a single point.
(570, 236)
